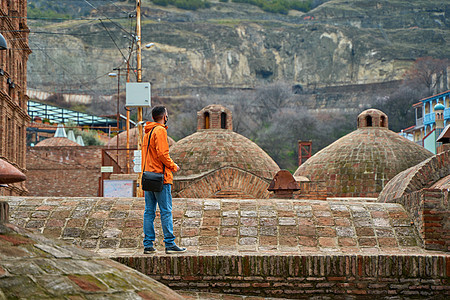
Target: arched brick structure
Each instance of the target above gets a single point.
(424, 175)
(226, 182)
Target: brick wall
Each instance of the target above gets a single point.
(430, 210)
(298, 276)
(63, 171)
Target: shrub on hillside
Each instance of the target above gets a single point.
(184, 4)
(279, 6)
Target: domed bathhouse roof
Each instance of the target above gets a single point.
(57, 142)
(362, 162)
(134, 132)
(217, 162)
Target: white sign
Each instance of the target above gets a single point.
(137, 153)
(107, 169)
(137, 168)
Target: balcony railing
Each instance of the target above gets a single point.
(419, 122)
(428, 119)
(447, 113)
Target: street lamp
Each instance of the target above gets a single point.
(149, 45)
(3, 44)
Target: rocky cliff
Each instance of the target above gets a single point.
(231, 45)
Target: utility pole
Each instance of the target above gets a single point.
(139, 191)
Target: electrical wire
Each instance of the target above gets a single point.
(81, 83)
(112, 38)
(118, 25)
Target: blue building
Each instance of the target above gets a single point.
(432, 115)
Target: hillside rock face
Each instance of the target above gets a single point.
(234, 45)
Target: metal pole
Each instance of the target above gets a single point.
(139, 191)
(128, 123)
(118, 114)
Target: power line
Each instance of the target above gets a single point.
(84, 84)
(112, 39)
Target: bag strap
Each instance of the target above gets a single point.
(148, 147)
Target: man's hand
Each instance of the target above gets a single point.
(178, 168)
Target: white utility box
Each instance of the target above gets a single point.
(138, 94)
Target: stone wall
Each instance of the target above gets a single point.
(64, 171)
(301, 276)
(429, 210)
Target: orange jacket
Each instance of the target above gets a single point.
(158, 154)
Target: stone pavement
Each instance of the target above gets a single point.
(113, 226)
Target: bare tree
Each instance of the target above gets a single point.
(426, 73)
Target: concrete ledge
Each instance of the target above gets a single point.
(298, 276)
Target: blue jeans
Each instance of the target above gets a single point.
(164, 200)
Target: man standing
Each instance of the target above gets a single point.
(155, 158)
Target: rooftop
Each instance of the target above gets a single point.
(113, 226)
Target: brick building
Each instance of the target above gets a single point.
(217, 162)
(361, 163)
(13, 78)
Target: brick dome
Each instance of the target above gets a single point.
(362, 162)
(56, 142)
(215, 145)
(134, 132)
(212, 149)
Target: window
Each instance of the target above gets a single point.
(223, 120)
(369, 121)
(206, 120)
(383, 121)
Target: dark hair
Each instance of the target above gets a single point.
(158, 112)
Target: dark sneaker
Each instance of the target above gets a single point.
(149, 250)
(175, 249)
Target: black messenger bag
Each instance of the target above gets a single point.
(152, 181)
